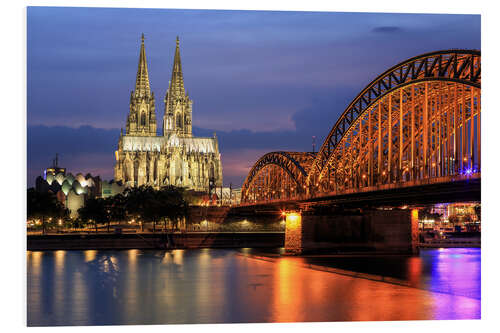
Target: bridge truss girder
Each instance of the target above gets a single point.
(276, 176)
(418, 122)
(425, 130)
(417, 76)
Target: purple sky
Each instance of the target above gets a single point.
(263, 81)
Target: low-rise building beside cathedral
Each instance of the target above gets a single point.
(175, 157)
(72, 191)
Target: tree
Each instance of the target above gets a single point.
(136, 202)
(173, 203)
(156, 205)
(44, 204)
(116, 208)
(153, 208)
(95, 210)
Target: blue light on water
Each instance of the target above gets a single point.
(216, 286)
(455, 270)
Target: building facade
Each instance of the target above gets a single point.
(175, 157)
(72, 191)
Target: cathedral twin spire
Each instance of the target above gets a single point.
(176, 87)
(141, 120)
(142, 117)
(178, 106)
(142, 79)
(174, 158)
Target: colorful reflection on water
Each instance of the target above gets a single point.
(454, 271)
(222, 286)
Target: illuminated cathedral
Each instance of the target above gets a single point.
(175, 157)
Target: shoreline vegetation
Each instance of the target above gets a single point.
(167, 206)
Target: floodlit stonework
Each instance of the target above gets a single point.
(175, 157)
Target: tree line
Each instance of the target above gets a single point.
(144, 203)
(44, 206)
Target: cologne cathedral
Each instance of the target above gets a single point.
(175, 157)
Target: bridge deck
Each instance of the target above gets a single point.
(454, 191)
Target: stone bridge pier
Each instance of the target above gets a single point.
(384, 231)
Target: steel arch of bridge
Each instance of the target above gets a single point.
(277, 172)
(457, 68)
(418, 122)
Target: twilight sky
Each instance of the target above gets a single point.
(264, 81)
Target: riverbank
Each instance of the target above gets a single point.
(155, 241)
(436, 245)
(452, 240)
(125, 241)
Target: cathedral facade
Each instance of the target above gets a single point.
(175, 157)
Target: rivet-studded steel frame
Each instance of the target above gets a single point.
(419, 121)
(436, 96)
(277, 175)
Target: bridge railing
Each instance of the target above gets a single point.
(395, 185)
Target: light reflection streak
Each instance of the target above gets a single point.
(462, 267)
(79, 297)
(414, 270)
(35, 258)
(178, 257)
(203, 286)
(132, 257)
(172, 294)
(90, 255)
(287, 292)
(59, 292)
(34, 269)
(130, 299)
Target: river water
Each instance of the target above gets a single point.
(224, 286)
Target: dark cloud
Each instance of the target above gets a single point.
(387, 30)
(82, 61)
(89, 149)
(84, 149)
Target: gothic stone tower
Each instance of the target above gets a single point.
(141, 120)
(174, 158)
(178, 106)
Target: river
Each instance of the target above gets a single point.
(225, 286)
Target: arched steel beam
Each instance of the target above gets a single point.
(280, 158)
(462, 66)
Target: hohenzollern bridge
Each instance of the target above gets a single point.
(416, 124)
